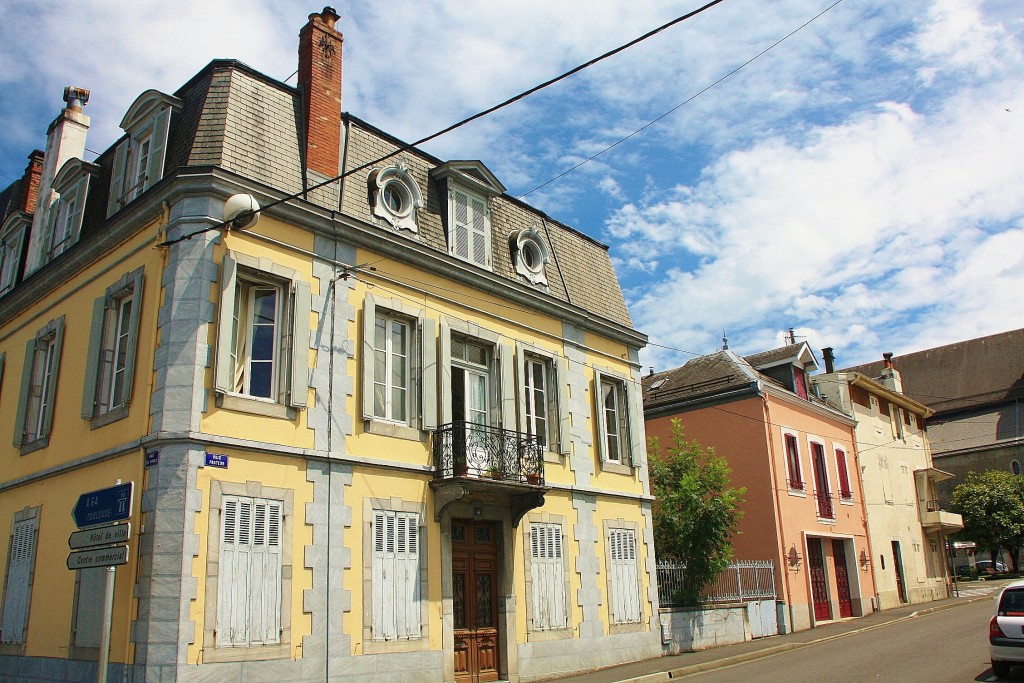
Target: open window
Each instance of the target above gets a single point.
(34, 418)
(263, 337)
(12, 249)
(618, 437)
(794, 469)
(543, 398)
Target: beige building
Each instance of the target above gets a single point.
(907, 529)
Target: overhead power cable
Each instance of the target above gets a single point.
(410, 145)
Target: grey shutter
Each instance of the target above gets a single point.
(445, 375)
(369, 323)
(634, 418)
(157, 147)
(51, 391)
(228, 281)
(428, 365)
(26, 387)
(21, 561)
(561, 379)
(92, 358)
(89, 612)
(117, 177)
(460, 230)
(137, 281)
(521, 397)
(508, 386)
(480, 246)
(601, 431)
(302, 305)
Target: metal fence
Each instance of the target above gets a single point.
(742, 581)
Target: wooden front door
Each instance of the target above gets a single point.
(842, 579)
(475, 600)
(819, 582)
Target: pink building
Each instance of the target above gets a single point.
(796, 456)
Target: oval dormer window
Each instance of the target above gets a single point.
(530, 254)
(395, 196)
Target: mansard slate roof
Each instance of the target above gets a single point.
(961, 376)
(247, 123)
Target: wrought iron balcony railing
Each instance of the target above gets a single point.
(824, 500)
(934, 505)
(465, 449)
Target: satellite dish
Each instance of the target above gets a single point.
(241, 211)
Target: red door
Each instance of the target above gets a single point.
(819, 583)
(475, 600)
(842, 579)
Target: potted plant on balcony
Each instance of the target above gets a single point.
(495, 472)
(533, 478)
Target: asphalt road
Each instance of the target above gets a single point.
(949, 646)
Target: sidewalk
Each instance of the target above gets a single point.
(663, 669)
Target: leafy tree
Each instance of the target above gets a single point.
(696, 512)
(992, 505)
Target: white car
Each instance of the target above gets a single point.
(1006, 630)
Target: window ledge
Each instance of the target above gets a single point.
(627, 628)
(382, 646)
(550, 634)
(553, 458)
(255, 406)
(36, 445)
(616, 467)
(799, 493)
(246, 654)
(394, 430)
(106, 418)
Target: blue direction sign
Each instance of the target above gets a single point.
(112, 504)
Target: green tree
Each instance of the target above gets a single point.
(992, 505)
(696, 512)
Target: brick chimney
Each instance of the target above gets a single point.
(33, 173)
(320, 84)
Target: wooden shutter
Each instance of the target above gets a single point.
(137, 279)
(428, 373)
(89, 612)
(632, 418)
(561, 381)
(23, 392)
(395, 590)
(445, 373)
(265, 574)
(460, 224)
(228, 282)
(302, 304)
(844, 474)
(625, 599)
(368, 354)
(117, 177)
(506, 361)
(480, 235)
(92, 357)
(233, 577)
(51, 389)
(19, 580)
(547, 570)
(601, 431)
(157, 148)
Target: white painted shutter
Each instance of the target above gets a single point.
(395, 576)
(561, 380)
(158, 147)
(428, 377)
(625, 582)
(301, 307)
(234, 571)
(19, 580)
(460, 224)
(89, 616)
(479, 234)
(444, 392)
(599, 417)
(265, 574)
(228, 281)
(367, 356)
(508, 386)
(547, 570)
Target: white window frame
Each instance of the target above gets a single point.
(793, 490)
(622, 557)
(34, 420)
(277, 596)
(395, 586)
(547, 575)
(395, 179)
(18, 582)
(501, 372)
(556, 398)
(531, 255)
(113, 344)
(422, 369)
(386, 356)
(67, 211)
(147, 121)
(11, 244)
(627, 417)
(290, 383)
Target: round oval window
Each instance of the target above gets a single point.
(531, 256)
(393, 197)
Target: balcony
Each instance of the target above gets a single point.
(475, 462)
(824, 501)
(933, 517)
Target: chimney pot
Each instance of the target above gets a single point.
(76, 97)
(829, 358)
(887, 359)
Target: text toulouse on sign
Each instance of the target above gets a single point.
(112, 504)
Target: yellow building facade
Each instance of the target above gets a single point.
(385, 427)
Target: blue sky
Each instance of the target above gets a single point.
(861, 182)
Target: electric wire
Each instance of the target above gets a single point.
(404, 147)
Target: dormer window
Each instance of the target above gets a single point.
(530, 254)
(470, 190)
(395, 196)
(71, 187)
(12, 240)
(139, 158)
